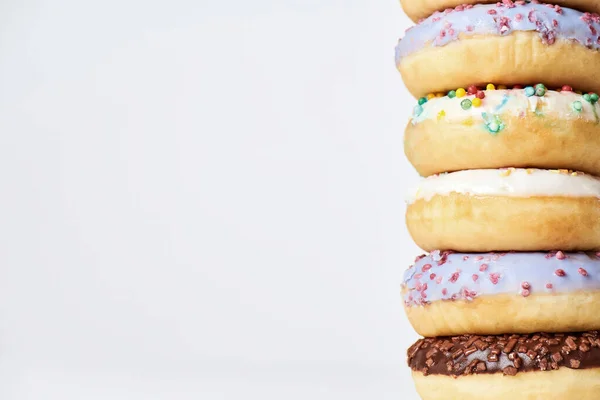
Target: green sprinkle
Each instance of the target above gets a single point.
(593, 97)
(452, 94)
(540, 89)
(493, 127)
(422, 100)
(466, 104)
(587, 98)
(417, 110)
(577, 106)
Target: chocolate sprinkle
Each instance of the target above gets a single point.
(507, 354)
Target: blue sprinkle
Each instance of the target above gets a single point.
(417, 110)
(529, 91)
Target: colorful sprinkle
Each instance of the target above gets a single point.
(587, 97)
(560, 272)
(422, 101)
(460, 92)
(417, 110)
(465, 104)
(540, 89)
(472, 89)
(529, 91)
(560, 255)
(567, 88)
(441, 115)
(452, 94)
(594, 97)
(490, 86)
(577, 106)
(582, 271)
(430, 96)
(439, 95)
(476, 102)
(501, 87)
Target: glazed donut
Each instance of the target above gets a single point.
(518, 367)
(419, 9)
(449, 293)
(502, 210)
(505, 128)
(506, 44)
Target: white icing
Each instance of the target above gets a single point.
(512, 182)
(508, 102)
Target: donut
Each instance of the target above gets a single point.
(551, 366)
(516, 209)
(420, 9)
(505, 128)
(506, 43)
(448, 293)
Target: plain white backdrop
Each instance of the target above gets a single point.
(202, 200)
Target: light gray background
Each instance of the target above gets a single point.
(202, 200)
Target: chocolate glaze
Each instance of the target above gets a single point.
(507, 354)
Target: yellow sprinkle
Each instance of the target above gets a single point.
(468, 122)
(505, 172)
(490, 86)
(441, 115)
(563, 171)
(529, 171)
(439, 95)
(430, 96)
(501, 87)
(554, 171)
(476, 102)
(574, 174)
(578, 92)
(460, 92)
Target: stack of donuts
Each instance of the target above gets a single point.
(506, 134)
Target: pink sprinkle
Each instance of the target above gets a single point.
(454, 277)
(435, 19)
(459, 7)
(451, 32)
(426, 267)
(475, 277)
(432, 276)
(420, 20)
(418, 276)
(560, 272)
(549, 5)
(558, 9)
(444, 291)
(498, 4)
(494, 277)
(465, 258)
(549, 286)
(419, 287)
(520, 3)
(478, 258)
(483, 267)
(470, 28)
(439, 279)
(492, 12)
(410, 298)
(560, 255)
(424, 295)
(508, 3)
(424, 287)
(454, 296)
(598, 254)
(448, 10)
(525, 285)
(518, 17)
(582, 272)
(525, 293)
(531, 16)
(419, 258)
(468, 6)
(495, 257)
(555, 23)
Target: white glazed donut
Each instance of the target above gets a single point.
(505, 128)
(504, 210)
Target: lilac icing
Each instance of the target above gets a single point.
(551, 22)
(465, 276)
